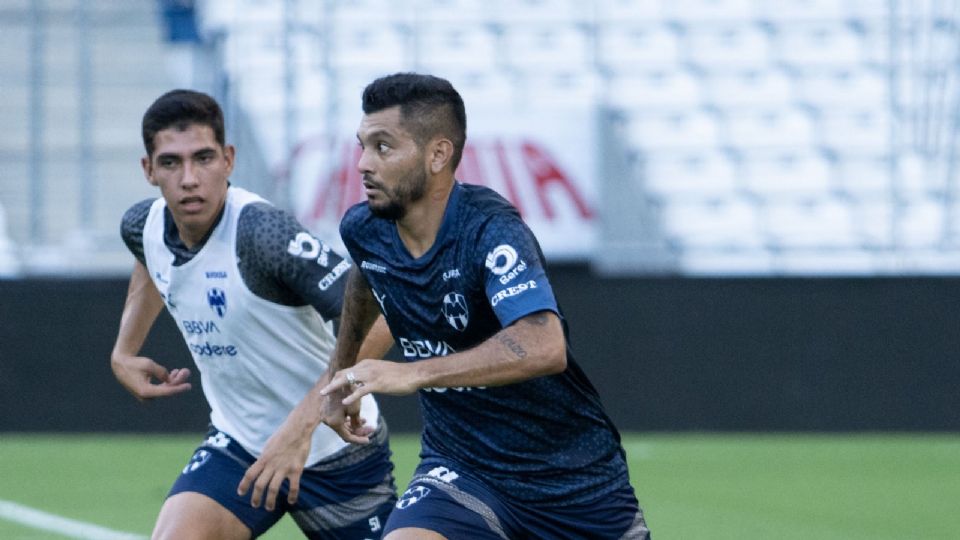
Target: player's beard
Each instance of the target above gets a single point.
(410, 188)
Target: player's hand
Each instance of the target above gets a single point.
(146, 379)
(283, 458)
(345, 419)
(369, 376)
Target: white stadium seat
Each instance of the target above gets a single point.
(817, 222)
(787, 174)
(538, 11)
(632, 47)
(709, 11)
(545, 46)
(673, 89)
(716, 223)
(852, 86)
(678, 130)
(689, 173)
(620, 11)
(756, 88)
(359, 45)
(817, 46)
(768, 129)
(864, 176)
(452, 47)
(847, 131)
(580, 88)
(788, 12)
(727, 46)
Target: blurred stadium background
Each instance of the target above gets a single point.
(750, 207)
(691, 137)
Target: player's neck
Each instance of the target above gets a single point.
(419, 226)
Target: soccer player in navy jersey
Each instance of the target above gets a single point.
(255, 296)
(516, 443)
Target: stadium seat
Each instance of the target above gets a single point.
(628, 11)
(768, 129)
(921, 222)
(624, 47)
(557, 12)
(847, 131)
(759, 88)
(864, 176)
(818, 45)
(567, 87)
(709, 11)
(442, 13)
(451, 47)
(819, 222)
(842, 88)
(667, 89)
(358, 12)
(786, 12)
(484, 86)
(727, 46)
(529, 46)
(688, 173)
(728, 222)
(359, 45)
(787, 174)
(677, 130)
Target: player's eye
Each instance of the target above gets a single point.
(382, 148)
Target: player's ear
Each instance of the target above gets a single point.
(148, 170)
(229, 154)
(441, 152)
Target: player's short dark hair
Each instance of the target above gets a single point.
(429, 106)
(179, 109)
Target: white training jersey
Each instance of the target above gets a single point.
(257, 358)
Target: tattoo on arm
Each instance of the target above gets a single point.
(513, 345)
(359, 312)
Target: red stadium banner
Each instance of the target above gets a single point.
(549, 178)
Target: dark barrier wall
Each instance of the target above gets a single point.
(665, 353)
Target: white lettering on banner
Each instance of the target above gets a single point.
(519, 288)
(329, 279)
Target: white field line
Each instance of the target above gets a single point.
(70, 528)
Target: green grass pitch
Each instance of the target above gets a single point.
(692, 486)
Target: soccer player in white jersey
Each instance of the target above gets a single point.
(256, 297)
(515, 443)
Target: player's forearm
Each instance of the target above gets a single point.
(377, 342)
(359, 313)
(531, 347)
(140, 310)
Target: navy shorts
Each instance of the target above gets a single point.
(348, 495)
(457, 506)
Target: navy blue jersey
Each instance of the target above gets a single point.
(546, 440)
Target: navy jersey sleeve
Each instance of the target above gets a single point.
(131, 228)
(514, 277)
(282, 262)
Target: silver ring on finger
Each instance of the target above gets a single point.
(352, 379)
